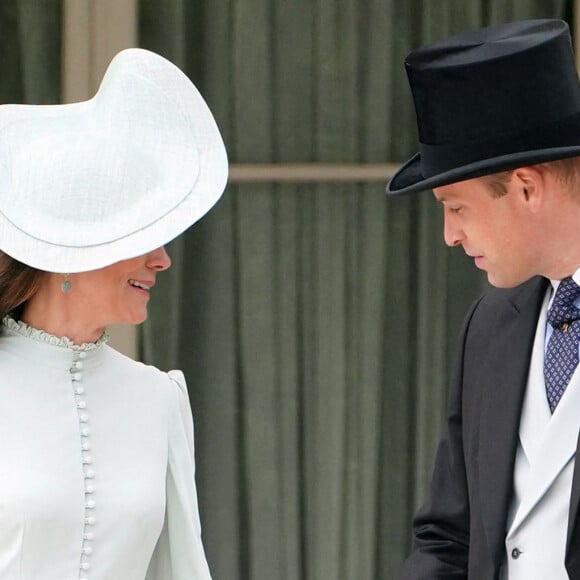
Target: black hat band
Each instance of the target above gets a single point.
(436, 159)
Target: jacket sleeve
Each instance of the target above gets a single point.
(440, 544)
(179, 553)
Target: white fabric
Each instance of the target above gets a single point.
(538, 521)
(88, 184)
(139, 444)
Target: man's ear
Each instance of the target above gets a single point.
(529, 184)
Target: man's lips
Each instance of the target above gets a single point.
(477, 258)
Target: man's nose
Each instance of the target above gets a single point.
(452, 232)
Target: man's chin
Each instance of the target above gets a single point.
(505, 281)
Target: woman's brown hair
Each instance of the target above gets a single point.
(18, 283)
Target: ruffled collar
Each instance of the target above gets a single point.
(21, 328)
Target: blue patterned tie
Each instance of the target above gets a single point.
(562, 353)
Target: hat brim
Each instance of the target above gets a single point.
(50, 257)
(410, 179)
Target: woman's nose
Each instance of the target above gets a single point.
(158, 259)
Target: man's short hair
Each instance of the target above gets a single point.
(565, 170)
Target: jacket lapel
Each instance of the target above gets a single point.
(502, 384)
(536, 414)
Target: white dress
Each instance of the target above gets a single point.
(96, 465)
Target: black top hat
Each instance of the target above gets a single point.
(491, 100)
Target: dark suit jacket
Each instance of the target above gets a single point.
(460, 532)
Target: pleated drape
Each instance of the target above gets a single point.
(315, 323)
(30, 51)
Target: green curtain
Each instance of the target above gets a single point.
(30, 51)
(315, 323)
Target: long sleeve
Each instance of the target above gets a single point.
(441, 534)
(179, 554)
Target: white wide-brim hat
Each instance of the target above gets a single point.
(87, 184)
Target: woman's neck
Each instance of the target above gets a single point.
(56, 314)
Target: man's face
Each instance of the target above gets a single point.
(495, 231)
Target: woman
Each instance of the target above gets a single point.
(96, 450)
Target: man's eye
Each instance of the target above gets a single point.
(454, 209)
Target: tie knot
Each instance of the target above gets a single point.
(563, 309)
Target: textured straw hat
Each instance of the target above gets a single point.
(491, 100)
(87, 184)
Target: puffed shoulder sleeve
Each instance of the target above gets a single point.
(179, 554)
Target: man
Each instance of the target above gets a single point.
(498, 113)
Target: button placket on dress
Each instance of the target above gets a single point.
(76, 373)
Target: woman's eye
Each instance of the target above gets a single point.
(454, 209)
